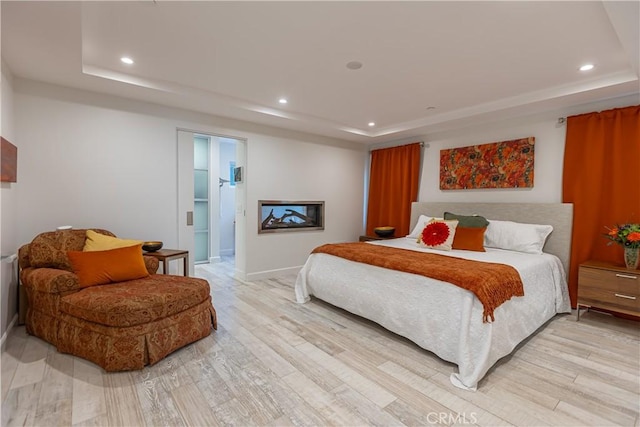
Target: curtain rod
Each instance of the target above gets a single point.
(422, 144)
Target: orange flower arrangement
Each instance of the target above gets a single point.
(626, 235)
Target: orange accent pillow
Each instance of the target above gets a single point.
(469, 239)
(103, 267)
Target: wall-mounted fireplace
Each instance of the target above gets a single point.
(278, 215)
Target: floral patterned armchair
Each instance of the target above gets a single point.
(119, 326)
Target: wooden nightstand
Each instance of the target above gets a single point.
(605, 285)
(370, 238)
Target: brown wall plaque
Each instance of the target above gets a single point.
(9, 161)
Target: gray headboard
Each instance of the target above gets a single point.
(558, 215)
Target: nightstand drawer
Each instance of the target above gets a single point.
(616, 281)
(596, 296)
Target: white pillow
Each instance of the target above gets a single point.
(516, 236)
(422, 222)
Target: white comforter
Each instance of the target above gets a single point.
(438, 316)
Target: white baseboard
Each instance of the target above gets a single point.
(215, 259)
(6, 333)
(227, 251)
(239, 275)
(268, 274)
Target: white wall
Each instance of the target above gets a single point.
(91, 166)
(283, 170)
(8, 212)
(548, 163)
(94, 160)
(549, 155)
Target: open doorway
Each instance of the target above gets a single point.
(210, 223)
(214, 221)
(227, 193)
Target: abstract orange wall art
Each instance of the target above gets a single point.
(506, 164)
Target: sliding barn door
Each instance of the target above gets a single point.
(185, 195)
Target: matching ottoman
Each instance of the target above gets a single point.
(129, 325)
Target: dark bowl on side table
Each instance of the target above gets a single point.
(152, 246)
(386, 231)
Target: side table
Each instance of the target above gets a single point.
(609, 286)
(370, 238)
(166, 255)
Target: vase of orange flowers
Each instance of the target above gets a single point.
(628, 236)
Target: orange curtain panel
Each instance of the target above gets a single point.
(393, 186)
(602, 179)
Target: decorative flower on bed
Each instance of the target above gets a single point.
(438, 234)
(626, 235)
(435, 233)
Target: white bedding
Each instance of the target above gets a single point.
(439, 316)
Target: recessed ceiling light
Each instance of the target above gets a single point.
(354, 65)
(586, 67)
(126, 60)
(282, 101)
(372, 124)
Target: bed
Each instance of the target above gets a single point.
(443, 318)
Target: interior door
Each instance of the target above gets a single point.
(185, 195)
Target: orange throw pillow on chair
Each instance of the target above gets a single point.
(103, 267)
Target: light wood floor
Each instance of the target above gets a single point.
(275, 362)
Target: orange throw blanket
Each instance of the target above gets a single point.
(492, 283)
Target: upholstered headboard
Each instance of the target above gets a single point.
(558, 215)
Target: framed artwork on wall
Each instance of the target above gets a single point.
(232, 178)
(9, 161)
(505, 164)
(237, 174)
